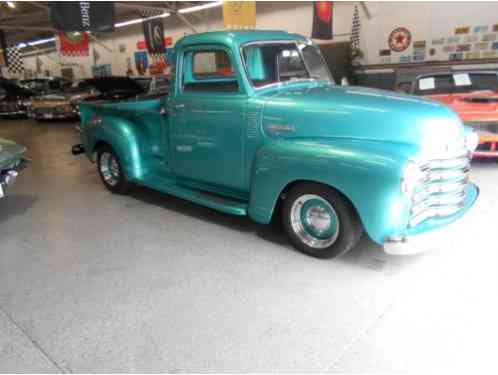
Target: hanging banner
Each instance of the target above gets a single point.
(154, 34)
(82, 15)
(15, 61)
(3, 49)
(239, 14)
(73, 43)
(322, 20)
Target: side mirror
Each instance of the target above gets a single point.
(344, 81)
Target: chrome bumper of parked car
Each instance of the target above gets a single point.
(8, 176)
(432, 233)
(13, 113)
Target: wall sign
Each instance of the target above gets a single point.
(400, 39)
(462, 30)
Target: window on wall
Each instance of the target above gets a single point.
(209, 71)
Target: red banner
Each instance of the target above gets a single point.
(322, 20)
(168, 41)
(73, 43)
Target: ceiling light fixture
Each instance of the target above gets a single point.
(11, 4)
(140, 20)
(195, 8)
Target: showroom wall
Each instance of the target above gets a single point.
(426, 21)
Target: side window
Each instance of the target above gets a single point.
(209, 71)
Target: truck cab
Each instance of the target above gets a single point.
(254, 123)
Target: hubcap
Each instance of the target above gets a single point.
(109, 168)
(314, 221)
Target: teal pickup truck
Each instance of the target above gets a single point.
(254, 123)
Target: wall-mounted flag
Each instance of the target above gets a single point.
(141, 62)
(73, 43)
(239, 14)
(82, 15)
(322, 20)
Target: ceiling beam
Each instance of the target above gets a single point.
(139, 7)
(31, 28)
(38, 4)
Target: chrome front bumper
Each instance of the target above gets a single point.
(8, 176)
(433, 236)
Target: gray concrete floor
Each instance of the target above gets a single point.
(91, 281)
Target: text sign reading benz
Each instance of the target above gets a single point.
(82, 15)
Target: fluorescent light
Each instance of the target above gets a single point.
(195, 8)
(35, 42)
(140, 20)
(11, 4)
(128, 23)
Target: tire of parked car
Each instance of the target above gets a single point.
(320, 221)
(111, 170)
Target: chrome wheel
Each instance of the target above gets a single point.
(314, 221)
(109, 168)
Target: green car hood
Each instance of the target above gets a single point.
(10, 152)
(328, 111)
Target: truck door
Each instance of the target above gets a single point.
(206, 135)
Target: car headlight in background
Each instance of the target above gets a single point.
(471, 140)
(412, 178)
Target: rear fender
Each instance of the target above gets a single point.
(121, 135)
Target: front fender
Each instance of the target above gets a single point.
(368, 173)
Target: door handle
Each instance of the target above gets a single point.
(179, 106)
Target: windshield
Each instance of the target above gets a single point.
(457, 83)
(269, 63)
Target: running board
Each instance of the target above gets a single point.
(216, 202)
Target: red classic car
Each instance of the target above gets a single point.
(474, 96)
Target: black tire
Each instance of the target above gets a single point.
(349, 225)
(121, 185)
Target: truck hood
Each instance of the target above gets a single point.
(9, 152)
(330, 111)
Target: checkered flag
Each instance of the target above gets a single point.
(355, 30)
(15, 61)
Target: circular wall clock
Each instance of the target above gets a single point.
(400, 39)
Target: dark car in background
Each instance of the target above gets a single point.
(43, 86)
(64, 104)
(14, 99)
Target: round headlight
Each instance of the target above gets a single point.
(471, 141)
(412, 177)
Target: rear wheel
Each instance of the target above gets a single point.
(111, 170)
(319, 221)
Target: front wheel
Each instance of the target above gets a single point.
(319, 221)
(111, 171)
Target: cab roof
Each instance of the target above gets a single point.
(236, 38)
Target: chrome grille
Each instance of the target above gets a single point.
(443, 187)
